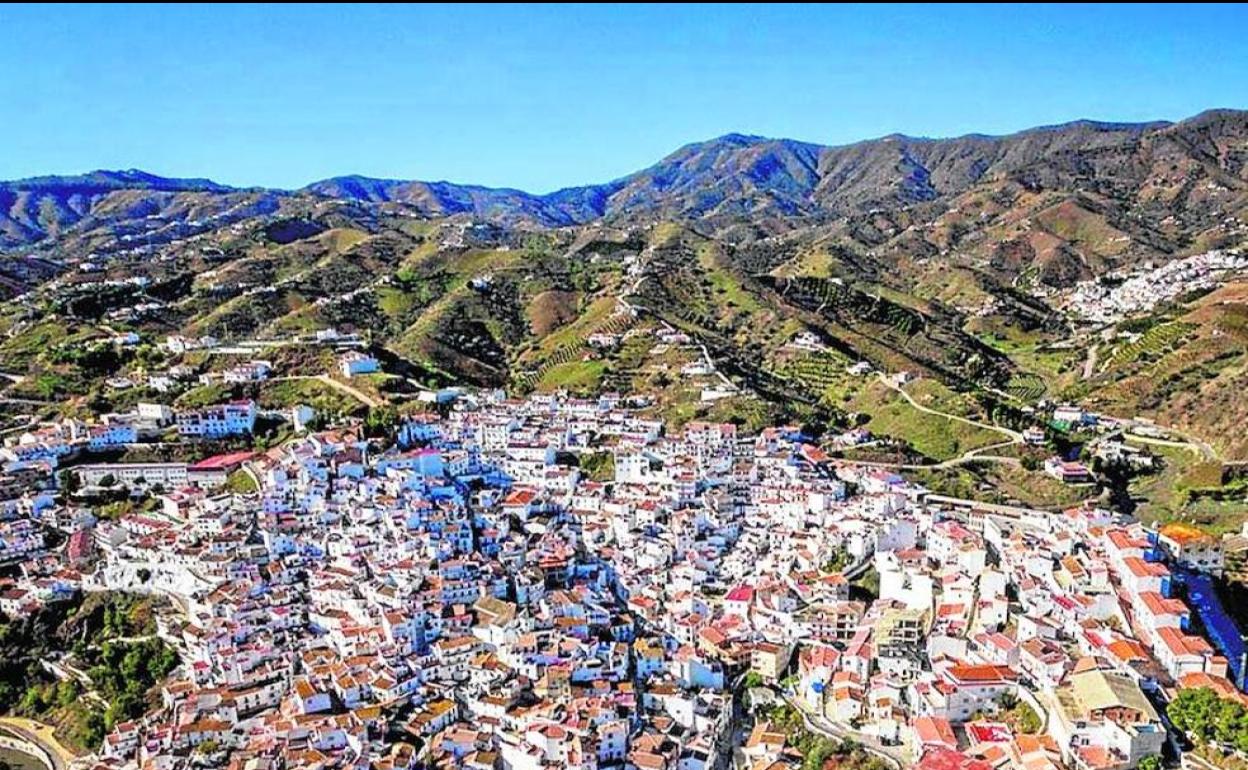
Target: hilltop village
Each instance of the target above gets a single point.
(560, 582)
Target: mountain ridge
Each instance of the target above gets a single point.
(960, 260)
(732, 137)
(768, 185)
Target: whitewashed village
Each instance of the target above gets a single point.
(558, 582)
(624, 387)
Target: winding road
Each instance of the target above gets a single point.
(1014, 436)
(40, 735)
(1183, 440)
(962, 459)
(1089, 365)
(828, 729)
(975, 455)
(1201, 448)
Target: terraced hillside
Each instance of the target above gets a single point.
(1189, 371)
(937, 257)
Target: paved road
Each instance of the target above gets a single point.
(1191, 760)
(1183, 440)
(27, 401)
(20, 428)
(854, 570)
(1089, 365)
(818, 724)
(250, 470)
(1201, 448)
(975, 455)
(63, 669)
(996, 509)
(42, 736)
(971, 456)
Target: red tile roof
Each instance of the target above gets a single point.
(224, 461)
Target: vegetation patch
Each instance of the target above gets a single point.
(108, 637)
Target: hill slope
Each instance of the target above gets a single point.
(945, 257)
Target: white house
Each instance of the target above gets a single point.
(232, 419)
(354, 363)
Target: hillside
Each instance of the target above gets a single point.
(951, 259)
(736, 176)
(1193, 170)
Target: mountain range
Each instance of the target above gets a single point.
(1137, 169)
(786, 262)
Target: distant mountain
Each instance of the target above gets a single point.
(750, 176)
(565, 207)
(1151, 183)
(32, 210)
(104, 181)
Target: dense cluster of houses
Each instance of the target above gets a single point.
(467, 596)
(45, 447)
(236, 418)
(1106, 302)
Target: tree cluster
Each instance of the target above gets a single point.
(1206, 717)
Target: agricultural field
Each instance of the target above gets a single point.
(576, 376)
(571, 350)
(1147, 347)
(1057, 368)
(823, 374)
(1027, 388)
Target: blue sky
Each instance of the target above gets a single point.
(545, 97)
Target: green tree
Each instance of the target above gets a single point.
(598, 466)
(1207, 718)
(818, 753)
(207, 747)
(92, 730)
(69, 481)
(66, 693)
(839, 560)
(381, 421)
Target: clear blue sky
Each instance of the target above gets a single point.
(545, 97)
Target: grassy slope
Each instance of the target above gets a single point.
(936, 437)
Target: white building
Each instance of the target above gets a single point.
(160, 414)
(135, 475)
(232, 419)
(252, 371)
(354, 363)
